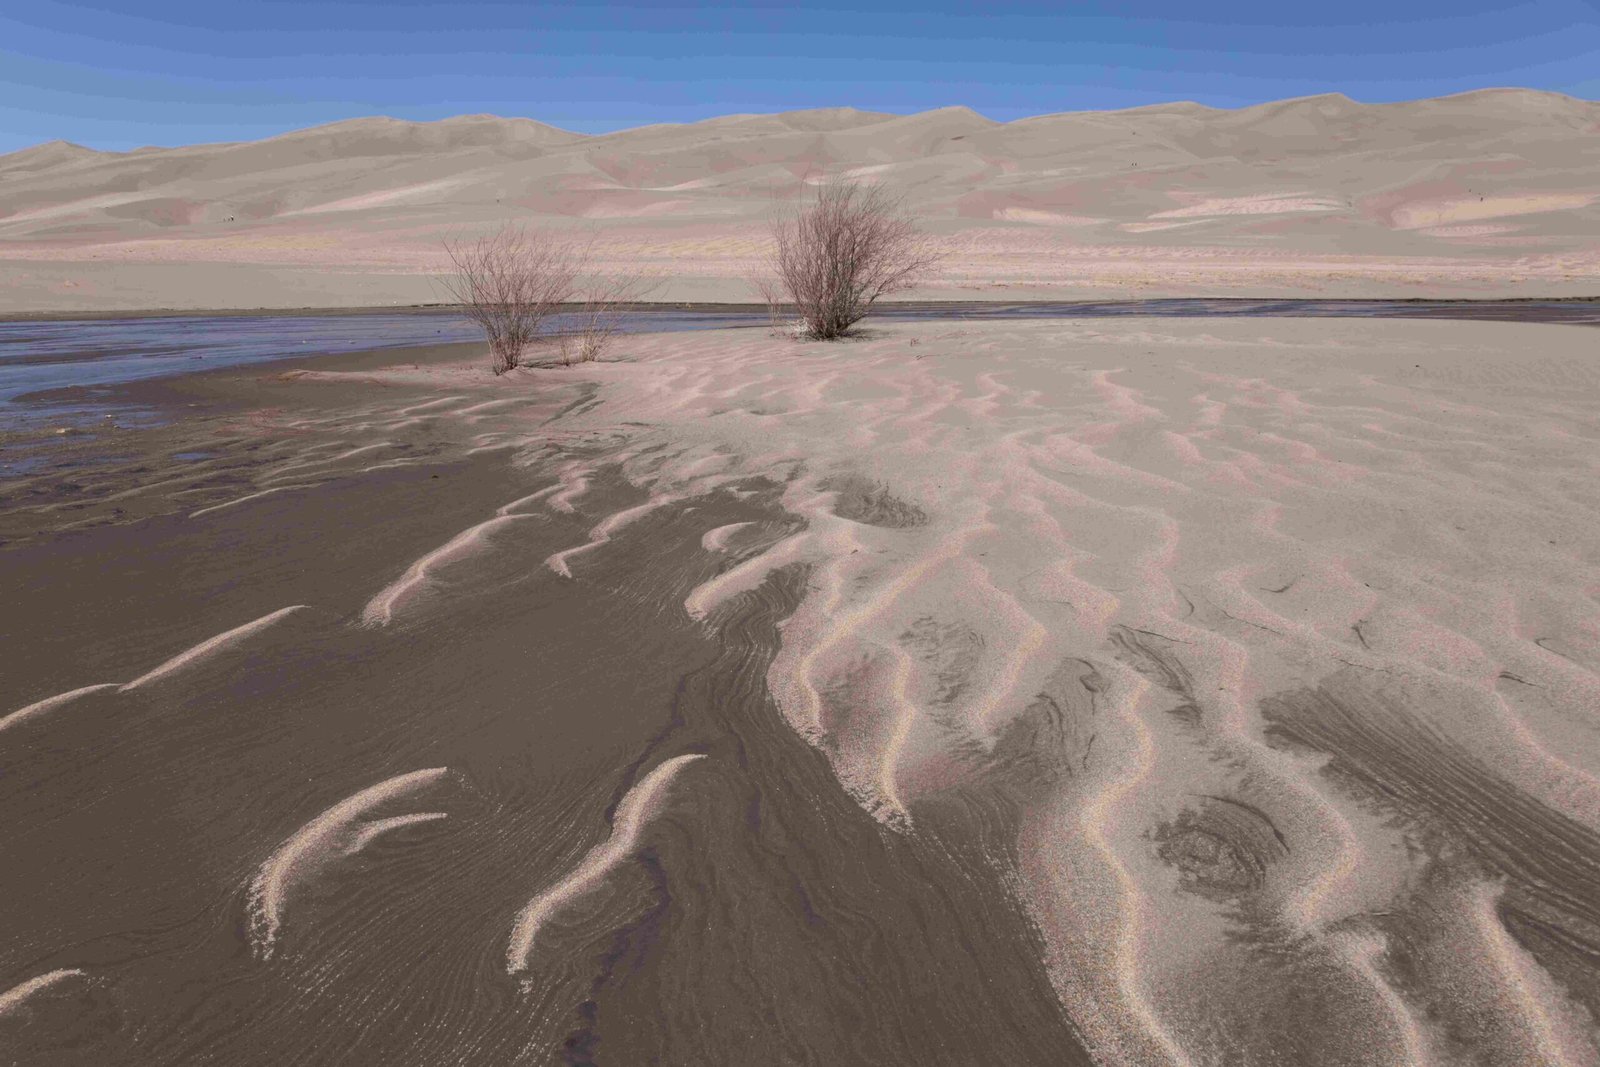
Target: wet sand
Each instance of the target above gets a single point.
(1138, 691)
(56, 371)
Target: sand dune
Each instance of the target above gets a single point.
(1320, 195)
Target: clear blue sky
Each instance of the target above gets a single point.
(118, 74)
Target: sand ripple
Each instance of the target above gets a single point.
(15, 1000)
(381, 608)
(985, 507)
(206, 648)
(1237, 678)
(638, 805)
(342, 830)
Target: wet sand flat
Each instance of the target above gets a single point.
(1125, 692)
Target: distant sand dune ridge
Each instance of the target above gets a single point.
(1320, 195)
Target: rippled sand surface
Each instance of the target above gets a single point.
(1135, 692)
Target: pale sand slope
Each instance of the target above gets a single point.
(1486, 193)
(1278, 643)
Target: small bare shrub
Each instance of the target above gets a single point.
(605, 300)
(771, 293)
(510, 281)
(845, 250)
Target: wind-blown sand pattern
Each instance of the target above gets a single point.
(342, 830)
(183, 659)
(717, 540)
(247, 498)
(560, 562)
(206, 648)
(15, 1000)
(637, 805)
(1119, 692)
(1021, 497)
(49, 704)
(381, 608)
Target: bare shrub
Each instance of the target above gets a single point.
(852, 245)
(606, 298)
(510, 281)
(770, 290)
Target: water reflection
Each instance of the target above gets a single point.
(92, 356)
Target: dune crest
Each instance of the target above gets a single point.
(177, 663)
(601, 533)
(1318, 195)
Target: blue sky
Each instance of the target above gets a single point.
(116, 75)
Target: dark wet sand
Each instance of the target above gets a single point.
(763, 916)
(371, 710)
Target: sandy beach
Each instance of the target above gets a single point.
(1148, 691)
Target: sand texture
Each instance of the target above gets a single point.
(1120, 692)
(1486, 193)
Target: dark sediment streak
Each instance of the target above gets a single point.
(861, 500)
(911, 955)
(1469, 819)
(763, 917)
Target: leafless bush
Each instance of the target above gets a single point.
(605, 300)
(770, 290)
(510, 281)
(851, 246)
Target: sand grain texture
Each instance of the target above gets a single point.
(1125, 692)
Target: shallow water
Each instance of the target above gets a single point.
(43, 356)
(40, 356)
(1573, 312)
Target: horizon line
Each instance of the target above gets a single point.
(887, 116)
